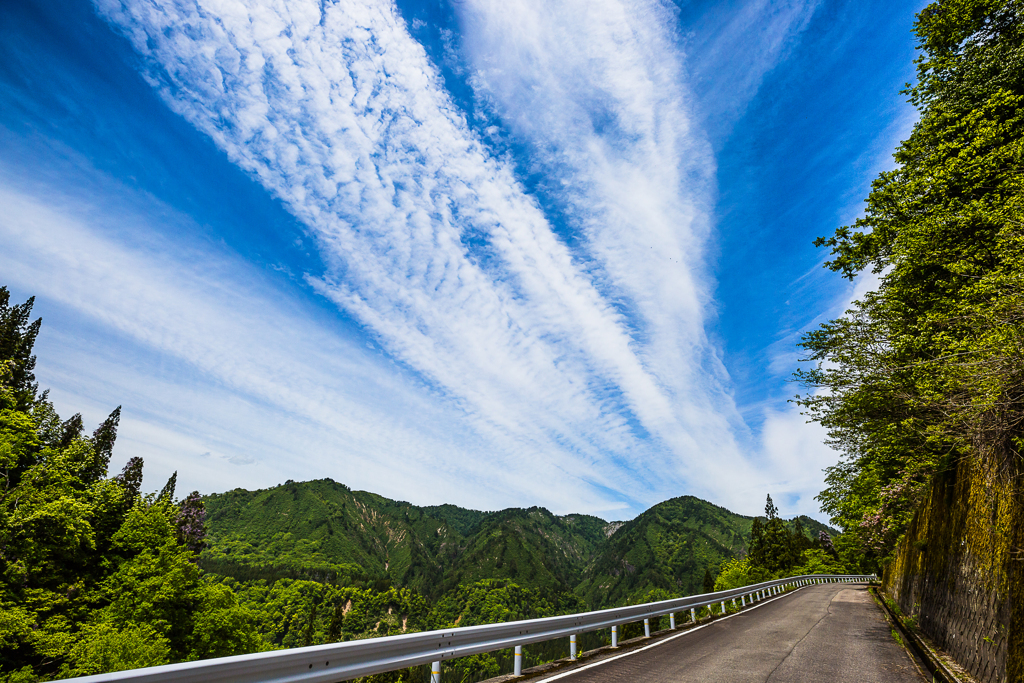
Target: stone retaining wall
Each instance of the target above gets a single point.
(959, 570)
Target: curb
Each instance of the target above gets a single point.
(938, 670)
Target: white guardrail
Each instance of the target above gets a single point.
(343, 661)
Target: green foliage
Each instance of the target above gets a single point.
(669, 547)
(737, 573)
(928, 368)
(324, 531)
(93, 576)
(817, 561)
(491, 601)
(102, 648)
(296, 613)
(17, 337)
(772, 544)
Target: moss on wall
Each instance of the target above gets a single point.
(958, 569)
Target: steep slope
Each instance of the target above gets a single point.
(324, 531)
(533, 547)
(668, 547)
(322, 528)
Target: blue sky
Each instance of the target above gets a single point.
(492, 254)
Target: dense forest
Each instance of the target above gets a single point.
(97, 576)
(926, 369)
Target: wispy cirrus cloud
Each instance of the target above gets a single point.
(738, 42)
(589, 364)
(254, 377)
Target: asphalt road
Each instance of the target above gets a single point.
(830, 633)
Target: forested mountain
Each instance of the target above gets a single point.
(96, 576)
(322, 530)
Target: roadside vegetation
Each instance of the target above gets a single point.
(94, 576)
(927, 369)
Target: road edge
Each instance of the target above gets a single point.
(561, 668)
(934, 665)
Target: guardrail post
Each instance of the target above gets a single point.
(435, 672)
(517, 668)
(572, 647)
(743, 601)
(723, 607)
(615, 636)
(734, 602)
(693, 615)
(647, 628)
(672, 621)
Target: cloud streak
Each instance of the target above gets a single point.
(259, 378)
(591, 361)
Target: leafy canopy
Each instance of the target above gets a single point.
(928, 368)
(94, 576)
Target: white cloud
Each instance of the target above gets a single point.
(739, 42)
(565, 373)
(435, 247)
(224, 377)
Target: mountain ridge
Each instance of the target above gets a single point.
(323, 530)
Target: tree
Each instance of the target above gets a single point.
(709, 581)
(757, 549)
(17, 337)
(927, 368)
(826, 544)
(801, 541)
(94, 576)
(771, 546)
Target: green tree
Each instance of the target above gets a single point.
(17, 337)
(771, 543)
(927, 368)
(94, 577)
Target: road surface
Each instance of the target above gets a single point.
(829, 633)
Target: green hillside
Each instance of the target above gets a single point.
(323, 531)
(667, 547)
(533, 547)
